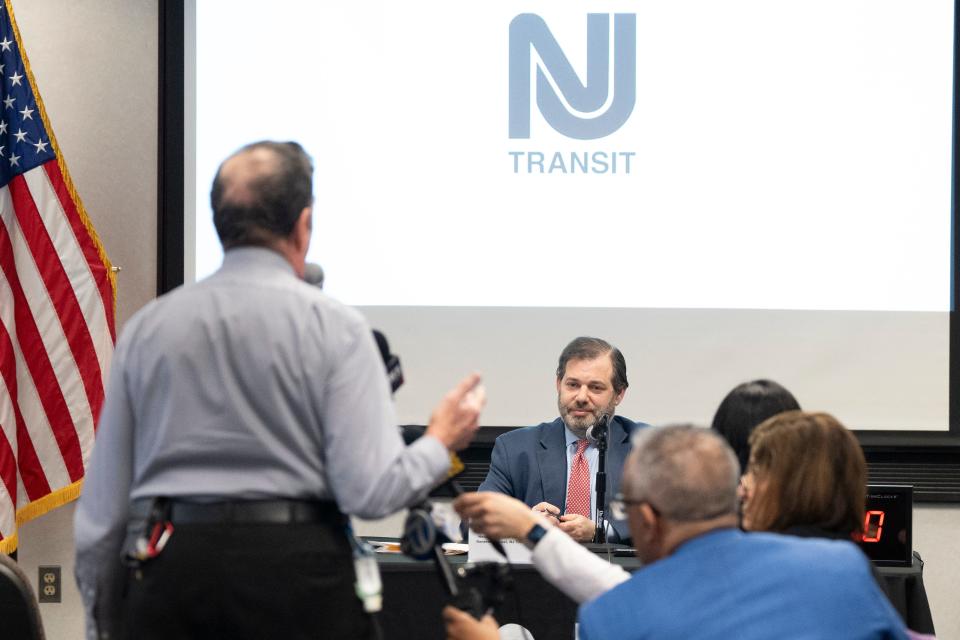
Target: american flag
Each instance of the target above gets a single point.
(57, 294)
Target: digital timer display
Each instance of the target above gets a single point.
(873, 526)
(887, 525)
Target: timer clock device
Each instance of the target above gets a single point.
(888, 525)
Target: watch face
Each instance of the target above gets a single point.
(535, 534)
(888, 524)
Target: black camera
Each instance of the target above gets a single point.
(474, 588)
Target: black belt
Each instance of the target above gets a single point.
(245, 511)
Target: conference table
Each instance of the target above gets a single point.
(414, 595)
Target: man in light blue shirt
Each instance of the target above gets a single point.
(244, 416)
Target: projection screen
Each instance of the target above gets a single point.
(726, 190)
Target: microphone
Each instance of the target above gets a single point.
(313, 274)
(390, 361)
(599, 429)
(598, 435)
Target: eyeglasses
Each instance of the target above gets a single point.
(619, 504)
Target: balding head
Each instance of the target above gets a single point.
(259, 193)
(687, 473)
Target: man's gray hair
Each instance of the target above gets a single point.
(686, 473)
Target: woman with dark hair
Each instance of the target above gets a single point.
(746, 406)
(806, 476)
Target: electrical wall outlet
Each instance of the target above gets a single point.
(48, 584)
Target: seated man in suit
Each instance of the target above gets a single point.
(552, 467)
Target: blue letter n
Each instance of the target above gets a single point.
(583, 119)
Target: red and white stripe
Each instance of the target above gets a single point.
(56, 340)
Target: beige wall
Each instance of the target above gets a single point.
(96, 65)
(935, 533)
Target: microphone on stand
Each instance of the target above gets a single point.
(598, 435)
(599, 429)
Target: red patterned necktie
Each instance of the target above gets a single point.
(578, 487)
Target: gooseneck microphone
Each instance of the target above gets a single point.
(599, 429)
(598, 435)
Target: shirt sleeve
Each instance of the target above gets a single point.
(369, 470)
(102, 511)
(572, 569)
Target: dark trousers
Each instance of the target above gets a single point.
(239, 580)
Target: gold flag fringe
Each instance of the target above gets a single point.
(39, 507)
(8, 545)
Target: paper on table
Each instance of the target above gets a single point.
(482, 551)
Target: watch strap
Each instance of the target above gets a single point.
(534, 535)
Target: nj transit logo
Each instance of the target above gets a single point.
(581, 111)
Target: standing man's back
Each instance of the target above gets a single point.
(256, 353)
(245, 417)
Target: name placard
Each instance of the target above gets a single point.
(482, 551)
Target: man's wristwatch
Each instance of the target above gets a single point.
(534, 535)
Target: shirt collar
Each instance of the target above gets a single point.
(247, 257)
(712, 537)
(569, 436)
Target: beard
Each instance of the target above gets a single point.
(578, 425)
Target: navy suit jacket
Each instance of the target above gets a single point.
(530, 464)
